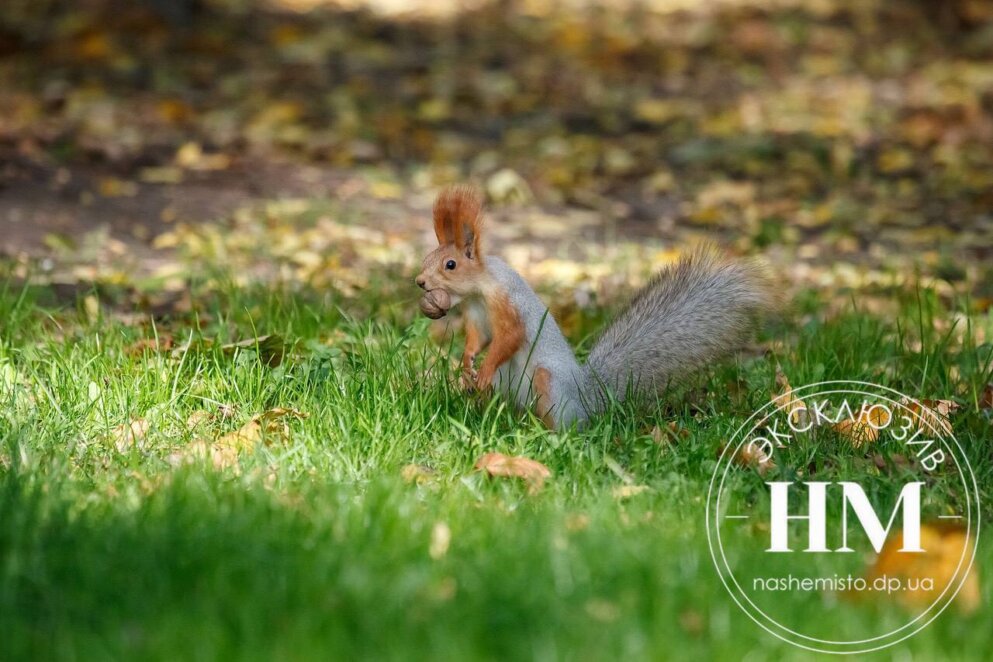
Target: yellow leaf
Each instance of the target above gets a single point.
(864, 427)
(786, 401)
(161, 175)
(91, 306)
(417, 474)
(174, 111)
(932, 415)
(111, 187)
(441, 537)
(576, 522)
(192, 157)
(753, 455)
(622, 492)
(930, 571)
(658, 111)
(267, 427)
(895, 160)
(126, 436)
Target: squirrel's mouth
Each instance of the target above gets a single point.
(436, 303)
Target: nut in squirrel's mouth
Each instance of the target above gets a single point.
(435, 303)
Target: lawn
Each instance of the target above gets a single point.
(227, 433)
(123, 536)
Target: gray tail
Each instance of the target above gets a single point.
(694, 312)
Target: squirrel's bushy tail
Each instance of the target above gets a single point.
(691, 313)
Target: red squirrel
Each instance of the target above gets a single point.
(690, 314)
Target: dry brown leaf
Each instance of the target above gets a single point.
(752, 456)
(267, 427)
(986, 398)
(944, 545)
(505, 466)
(863, 428)
(227, 411)
(127, 436)
(161, 344)
(198, 418)
(786, 401)
(931, 415)
(221, 457)
(671, 433)
(417, 474)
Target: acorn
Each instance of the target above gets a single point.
(435, 303)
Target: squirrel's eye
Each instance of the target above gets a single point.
(450, 264)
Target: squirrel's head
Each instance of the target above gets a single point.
(456, 266)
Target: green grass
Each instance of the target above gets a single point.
(319, 548)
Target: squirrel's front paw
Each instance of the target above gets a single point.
(484, 383)
(469, 378)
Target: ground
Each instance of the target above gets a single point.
(227, 432)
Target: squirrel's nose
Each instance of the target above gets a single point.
(420, 282)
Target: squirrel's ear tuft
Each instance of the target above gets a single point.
(458, 218)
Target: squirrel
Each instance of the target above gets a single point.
(690, 314)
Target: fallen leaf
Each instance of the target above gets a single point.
(162, 343)
(751, 455)
(441, 537)
(271, 348)
(576, 522)
(532, 472)
(192, 157)
(864, 427)
(986, 398)
(267, 427)
(508, 186)
(943, 545)
(111, 187)
(669, 434)
(691, 621)
(227, 410)
(91, 307)
(786, 401)
(622, 492)
(198, 418)
(417, 474)
(161, 175)
(931, 415)
(127, 436)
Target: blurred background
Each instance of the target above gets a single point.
(848, 141)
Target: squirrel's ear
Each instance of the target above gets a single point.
(474, 240)
(458, 218)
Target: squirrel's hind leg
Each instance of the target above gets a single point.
(544, 403)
